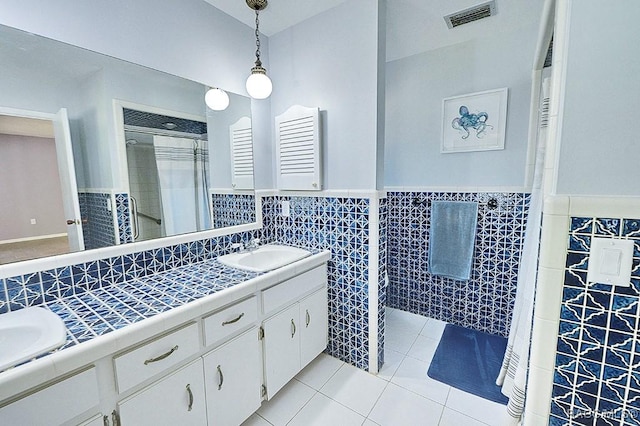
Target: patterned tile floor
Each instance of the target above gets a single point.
(331, 392)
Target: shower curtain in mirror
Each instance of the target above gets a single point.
(182, 172)
(515, 366)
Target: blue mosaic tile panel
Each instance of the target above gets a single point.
(383, 218)
(123, 215)
(485, 301)
(596, 377)
(233, 209)
(342, 226)
(97, 227)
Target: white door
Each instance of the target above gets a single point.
(313, 319)
(178, 399)
(281, 348)
(68, 182)
(233, 379)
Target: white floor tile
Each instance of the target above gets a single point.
(486, 411)
(453, 418)
(392, 360)
(287, 402)
(323, 411)
(354, 388)
(398, 406)
(423, 348)
(412, 375)
(433, 329)
(319, 371)
(256, 420)
(399, 340)
(403, 321)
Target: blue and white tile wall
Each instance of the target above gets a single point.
(597, 370)
(341, 225)
(49, 286)
(97, 227)
(383, 217)
(123, 216)
(484, 302)
(233, 209)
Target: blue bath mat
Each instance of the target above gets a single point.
(469, 360)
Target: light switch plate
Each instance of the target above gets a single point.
(285, 208)
(610, 261)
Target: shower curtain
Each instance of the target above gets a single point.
(182, 172)
(513, 374)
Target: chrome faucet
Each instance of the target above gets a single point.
(253, 244)
(240, 246)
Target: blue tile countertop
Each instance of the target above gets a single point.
(101, 311)
(106, 320)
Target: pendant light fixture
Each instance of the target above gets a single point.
(258, 84)
(216, 99)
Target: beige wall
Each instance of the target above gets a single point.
(29, 188)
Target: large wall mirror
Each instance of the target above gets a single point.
(95, 152)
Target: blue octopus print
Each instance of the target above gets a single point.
(467, 120)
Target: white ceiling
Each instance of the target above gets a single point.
(413, 26)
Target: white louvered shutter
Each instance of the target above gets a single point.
(298, 149)
(241, 154)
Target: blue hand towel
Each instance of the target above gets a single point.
(452, 237)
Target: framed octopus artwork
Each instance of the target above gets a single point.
(474, 122)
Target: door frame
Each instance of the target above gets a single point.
(64, 154)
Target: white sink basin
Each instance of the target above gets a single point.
(27, 333)
(265, 258)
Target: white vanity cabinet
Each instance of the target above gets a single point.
(293, 337)
(177, 399)
(56, 404)
(233, 380)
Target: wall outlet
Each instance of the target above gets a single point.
(285, 209)
(33, 221)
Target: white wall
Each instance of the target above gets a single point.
(30, 188)
(188, 38)
(330, 61)
(415, 88)
(599, 143)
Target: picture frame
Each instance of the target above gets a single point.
(474, 122)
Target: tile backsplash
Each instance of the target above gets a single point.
(341, 225)
(597, 368)
(485, 301)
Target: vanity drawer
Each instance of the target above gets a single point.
(230, 320)
(289, 291)
(55, 404)
(146, 361)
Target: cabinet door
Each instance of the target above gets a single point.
(281, 348)
(233, 380)
(178, 399)
(313, 325)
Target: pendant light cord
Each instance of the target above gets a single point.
(258, 61)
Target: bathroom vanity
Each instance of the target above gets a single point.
(211, 361)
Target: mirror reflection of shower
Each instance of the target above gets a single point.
(167, 163)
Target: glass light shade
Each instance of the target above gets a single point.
(217, 99)
(259, 85)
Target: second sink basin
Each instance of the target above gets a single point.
(264, 258)
(27, 333)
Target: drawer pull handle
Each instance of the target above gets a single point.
(293, 328)
(161, 357)
(190, 397)
(220, 378)
(233, 320)
(308, 318)
(115, 418)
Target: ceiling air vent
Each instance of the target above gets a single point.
(474, 13)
